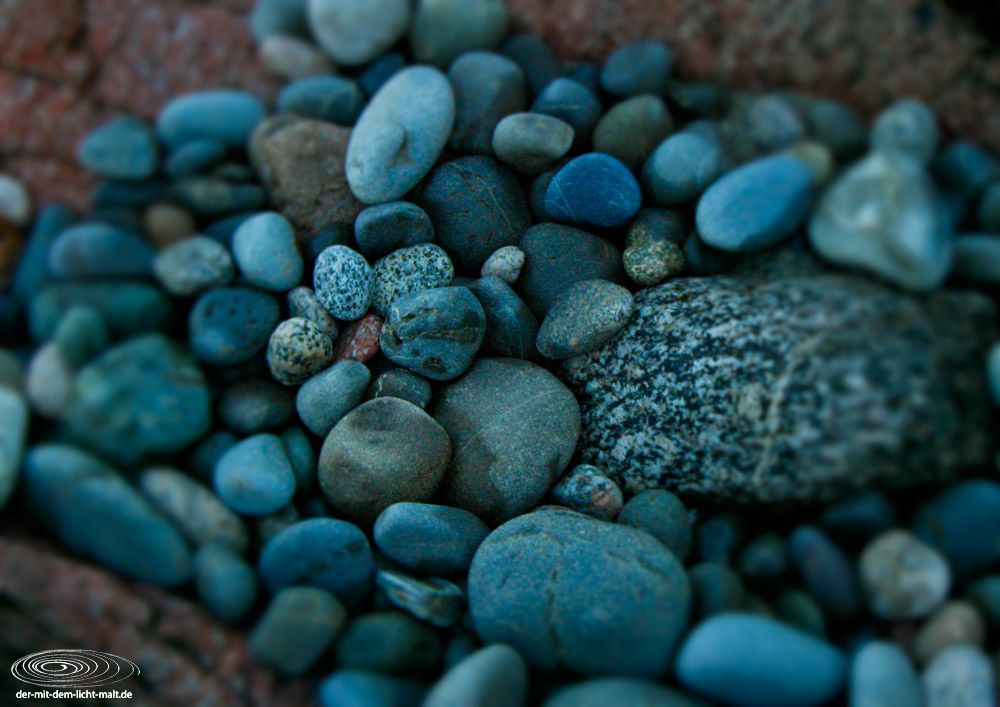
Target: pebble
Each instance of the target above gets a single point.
(270, 525)
(303, 303)
(292, 58)
(476, 205)
(429, 539)
(957, 623)
(976, 256)
(231, 325)
(716, 588)
(193, 509)
(585, 316)
(601, 692)
(907, 127)
(531, 142)
(382, 229)
(652, 224)
(662, 515)
(416, 109)
(495, 675)
(224, 229)
(13, 434)
(881, 676)
(539, 63)
(434, 600)
(264, 249)
(653, 262)
(271, 17)
(593, 190)
(375, 75)
(384, 451)
(903, 578)
(764, 557)
(566, 607)
(817, 157)
(334, 99)
(255, 476)
(331, 554)
(118, 196)
(297, 350)
(297, 628)
(572, 103)
(225, 583)
(557, 257)
(96, 251)
(825, 569)
(32, 273)
(963, 523)
(15, 202)
(150, 374)
(226, 116)
(772, 122)
(586, 489)
(95, 512)
(12, 371)
(505, 263)
(435, 332)
(632, 129)
(444, 29)
(988, 212)
(799, 610)
(959, 677)
(360, 340)
(837, 126)
(127, 308)
(755, 206)
(984, 593)
(682, 167)
(859, 517)
(639, 67)
(81, 335)
(407, 271)
(965, 168)
(193, 265)
(353, 32)
(344, 282)
(741, 659)
(362, 688)
(49, 381)
(882, 215)
(389, 642)
(195, 157)
(325, 398)
(122, 148)
(487, 88)
(213, 197)
(255, 405)
(511, 328)
(403, 384)
(525, 425)
(302, 456)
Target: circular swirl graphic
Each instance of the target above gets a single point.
(68, 668)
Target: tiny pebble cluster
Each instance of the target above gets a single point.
(305, 361)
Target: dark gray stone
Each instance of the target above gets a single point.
(662, 515)
(826, 571)
(539, 63)
(487, 87)
(511, 328)
(572, 102)
(427, 538)
(632, 129)
(389, 642)
(383, 228)
(255, 405)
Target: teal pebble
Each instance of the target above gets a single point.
(297, 628)
(302, 456)
(255, 477)
(193, 158)
(231, 325)
(223, 115)
(81, 335)
(264, 249)
(334, 99)
(96, 251)
(127, 308)
(363, 688)
(882, 676)
(212, 197)
(226, 584)
(123, 148)
(328, 396)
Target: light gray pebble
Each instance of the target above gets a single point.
(957, 623)
(882, 676)
(193, 265)
(959, 677)
(297, 350)
(652, 262)
(907, 127)
(505, 263)
(344, 282)
(902, 577)
(49, 381)
(293, 58)
(15, 203)
(583, 318)
(354, 32)
(532, 142)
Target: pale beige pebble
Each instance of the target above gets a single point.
(957, 623)
(49, 382)
(167, 224)
(902, 577)
(294, 58)
(505, 263)
(15, 202)
(817, 157)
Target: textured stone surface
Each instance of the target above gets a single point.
(786, 387)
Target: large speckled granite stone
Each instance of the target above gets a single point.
(787, 383)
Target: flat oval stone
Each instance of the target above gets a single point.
(755, 206)
(81, 335)
(662, 515)
(741, 659)
(593, 190)
(96, 251)
(344, 282)
(632, 129)
(384, 451)
(444, 29)
(400, 134)
(826, 570)
(566, 607)
(293, 58)
(531, 142)
(384, 228)
(334, 99)
(255, 476)
(13, 433)
(430, 539)
(435, 333)
(586, 315)
(514, 428)
(495, 674)
(681, 168)
(95, 512)
(226, 116)
(231, 325)
(409, 270)
(193, 265)
(297, 350)
(299, 625)
(194, 157)
(123, 148)
(354, 32)
(881, 676)
(511, 328)
(213, 197)
(487, 87)
(573, 103)
(639, 67)
(328, 396)
(225, 583)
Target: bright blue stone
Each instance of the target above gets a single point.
(194, 157)
(751, 661)
(757, 205)
(223, 115)
(330, 98)
(255, 476)
(123, 148)
(96, 251)
(593, 190)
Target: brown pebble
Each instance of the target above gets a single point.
(359, 342)
(166, 224)
(957, 623)
(10, 248)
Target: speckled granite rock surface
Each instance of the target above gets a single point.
(786, 385)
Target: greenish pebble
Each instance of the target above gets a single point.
(444, 29)
(976, 256)
(662, 515)
(620, 692)
(225, 583)
(81, 335)
(299, 625)
(632, 129)
(123, 148)
(531, 142)
(331, 394)
(334, 99)
(585, 316)
(389, 642)
(302, 456)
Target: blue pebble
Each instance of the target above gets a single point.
(331, 394)
(224, 229)
(207, 453)
(963, 522)
(681, 168)
(882, 676)
(828, 573)
(379, 71)
(302, 456)
(593, 190)
(32, 273)
(255, 477)
(965, 168)
(640, 67)
(435, 540)
(96, 251)
(264, 248)
(272, 17)
(320, 552)
(213, 197)
(231, 325)
(572, 102)
(587, 74)
(193, 158)
(81, 335)
(751, 661)
(128, 195)
(334, 99)
(362, 688)
(226, 584)
(757, 205)
(123, 148)
(223, 115)
(95, 512)
(297, 628)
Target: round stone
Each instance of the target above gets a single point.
(906, 127)
(226, 116)
(225, 583)
(231, 325)
(957, 623)
(15, 202)
(903, 578)
(573, 103)
(632, 129)
(193, 265)
(826, 570)
(593, 190)
(444, 29)
(640, 67)
(343, 281)
(430, 539)
(253, 405)
(531, 142)
(487, 88)
(492, 675)
(328, 396)
(881, 676)
(400, 135)
(435, 332)
(265, 250)
(354, 32)
(384, 228)
(652, 224)
(505, 263)
(166, 224)
(583, 318)
(297, 350)
(586, 489)
(334, 99)
(514, 428)
(566, 607)
(960, 676)
(653, 262)
(255, 476)
(293, 58)
(407, 271)
(662, 515)
(681, 168)
(297, 628)
(123, 148)
(96, 251)
(303, 302)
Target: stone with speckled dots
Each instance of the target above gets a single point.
(297, 350)
(408, 270)
(585, 316)
(344, 282)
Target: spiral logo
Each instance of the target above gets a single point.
(68, 668)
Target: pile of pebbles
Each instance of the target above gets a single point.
(302, 366)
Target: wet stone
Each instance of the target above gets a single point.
(384, 228)
(297, 350)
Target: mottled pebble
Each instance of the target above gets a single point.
(531, 142)
(255, 476)
(225, 583)
(902, 578)
(193, 265)
(652, 225)
(959, 677)
(957, 623)
(587, 489)
(344, 282)
(360, 340)
(297, 350)
(505, 263)
(296, 629)
(430, 539)
(585, 316)
(653, 262)
(303, 302)
(407, 271)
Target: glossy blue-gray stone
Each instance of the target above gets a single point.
(224, 115)
(383, 228)
(95, 512)
(681, 168)
(231, 325)
(363, 688)
(963, 522)
(334, 99)
(225, 583)
(193, 158)
(123, 148)
(98, 252)
(750, 661)
(265, 250)
(328, 396)
(755, 206)
(593, 190)
(488, 87)
(255, 476)
(32, 272)
(572, 103)
(128, 308)
(882, 676)
(431, 539)
(640, 67)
